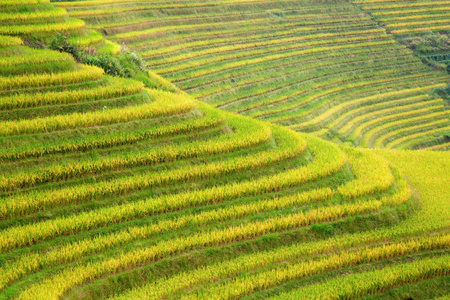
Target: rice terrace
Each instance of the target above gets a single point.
(225, 149)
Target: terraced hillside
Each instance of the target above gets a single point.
(109, 189)
(323, 67)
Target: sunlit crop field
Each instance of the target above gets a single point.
(120, 188)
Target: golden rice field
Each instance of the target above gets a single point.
(207, 178)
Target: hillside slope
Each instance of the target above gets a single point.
(324, 67)
(109, 189)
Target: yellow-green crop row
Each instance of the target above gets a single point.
(309, 64)
(211, 118)
(220, 40)
(168, 102)
(375, 1)
(374, 132)
(254, 29)
(164, 287)
(365, 100)
(319, 89)
(322, 50)
(23, 203)
(178, 19)
(260, 90)
(406, 106)
(201, 16)
(71, 251)
(71, 24)
(406, 5)
(400, 142)
(241, 63)
(129, 36)
(246, 134)
(21, 2)
(287, 111)
(358, 285)
(93, 37)
(357, 85)
(91, 12)
(410, 11)
(124, 9)
(119, 87)
(430, 121)
(100, 2)
(371, 119)
(340, 57)
(363, 127)
(30, 263)
(201, 43)
(295, 40)
(96, 2)
(84, 73)
(327, 161)
(396, 25)
(414, 17)
(6, 41)
(54, 287)
(284, 151)
(35, 57)
(257, 51)
(245, 285)
(28, 16)
(132, 35)
(372, 175)
(355, 88)
(403, 192)
(410, 104)
(421, 29)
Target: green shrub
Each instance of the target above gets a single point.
(126, 64)
(110, 64)
(443, 92)
(59, 42)
(429, 43)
